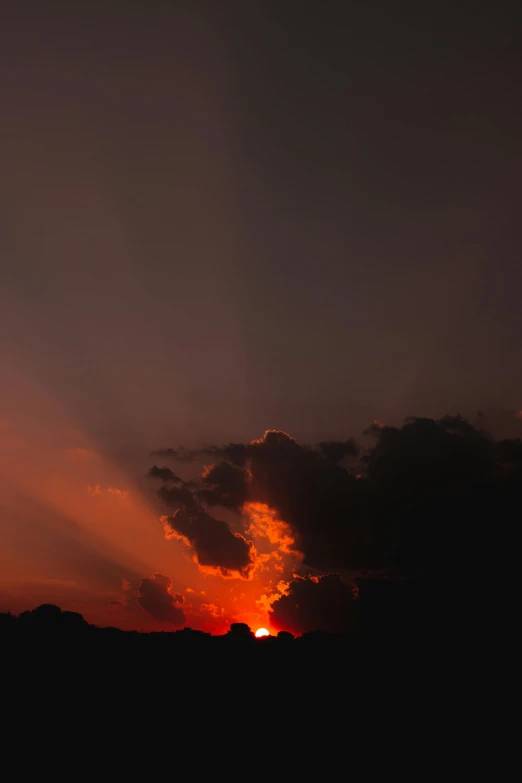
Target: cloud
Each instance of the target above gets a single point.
(214, 611)
(322, 503)
(122, 493)
(394, 604)
(176, 497)
(128, 598)
(224, 485)
(337, 450)
(235, 453)
(326, 603)
(165, 474)
(97, 490)
(216, 547)
(411, 500)
(156, 596)
(263, 523)
(305, 491)
(431, 496)
(180, 454)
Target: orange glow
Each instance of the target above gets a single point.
(79, 525)
(264, 523)
(261, 632)
(105, 537)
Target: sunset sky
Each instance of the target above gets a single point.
(225, 218)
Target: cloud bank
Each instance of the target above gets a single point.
(418, 502)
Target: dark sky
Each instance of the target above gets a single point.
(223, 217)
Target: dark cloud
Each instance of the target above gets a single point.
(224, 485)
(176, 497)
(213, 542)
(445, 494)
(337, 450)
(235, 453)
(326, 604)
(164, 474)
(414, 501)
(325, 506)
(456, 424)
(390, 603)
(157, 598)
(215, 545)
(180, 454)
(321, 501)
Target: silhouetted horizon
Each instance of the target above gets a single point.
(48, 621)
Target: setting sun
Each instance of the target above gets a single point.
(261, 632)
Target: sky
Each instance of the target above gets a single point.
(223, 218)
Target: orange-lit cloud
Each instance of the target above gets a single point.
(213, 610)
(217, 549)
(226, 573)
(98, 490)
(265, 602)
(122, 493)
(263, 522)
(273, 437)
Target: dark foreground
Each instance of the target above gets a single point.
(66, 636)
(122, 693)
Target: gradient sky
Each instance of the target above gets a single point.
(218, 218)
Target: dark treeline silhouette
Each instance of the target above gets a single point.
(48, 624)
(56, 659)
